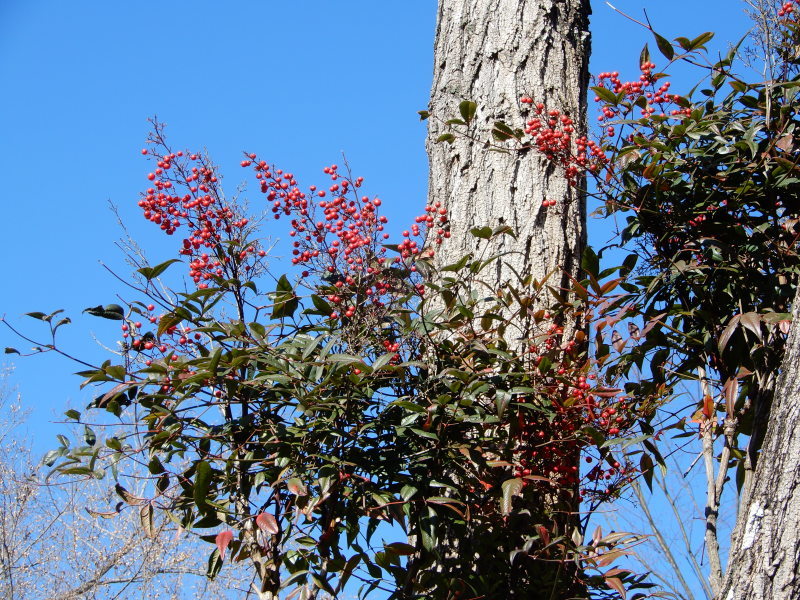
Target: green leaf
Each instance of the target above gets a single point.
(423, 114)
(37, 315)
(590, 262)
(664, 46)
(446, 137)
(646, 469)
(503, 132)
(606, 95)
(150, 273)
(321, 305)
(128, 497)
(89, 436)
(644, 56)
(168, 320)
(400, 548)
(408, 492)
(202, 479)
(700, 41)
(73, 414)
(683, 42)
(483, 233)
(284, 285)
(286, 302)
(467, 110)
(113, 312)
(10, 350)
(214, 565)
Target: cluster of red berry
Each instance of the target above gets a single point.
(186, 193)
(787, 8)
(345, 244)
(552, 134)
(553, 427)
(657, 99)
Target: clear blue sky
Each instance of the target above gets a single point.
(298, 82)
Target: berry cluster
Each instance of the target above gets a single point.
(186, 193)
(656, 99)
(552, 134)
(345, 243)
(788, 8)
(555, 427)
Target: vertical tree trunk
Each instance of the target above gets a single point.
(765, 551)
(493, 52)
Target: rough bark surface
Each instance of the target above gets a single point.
(765, 553)
(493, 52)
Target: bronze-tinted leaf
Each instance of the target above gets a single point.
(267, 522)
(222, 541)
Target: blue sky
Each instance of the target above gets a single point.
(297, 82)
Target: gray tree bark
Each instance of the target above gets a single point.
(493, 52)
(764, 561)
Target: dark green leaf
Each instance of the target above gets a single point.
(644, 56)
(646, 468)
(664, 46)
(202, 479)
(467, 110)
(153, 272)
(701, 40)
(606, 95)
(483, 233)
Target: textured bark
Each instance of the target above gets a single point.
(765, 553)
(493, 52)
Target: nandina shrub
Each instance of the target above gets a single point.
(285, 426)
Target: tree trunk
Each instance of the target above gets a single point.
(765, 551)
(493, 52)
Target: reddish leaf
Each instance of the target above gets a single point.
(731, 391)
(267, 522)
(616, 584)
(708, 407)
(728, 332)
(544, 534)
(617, 341)
(786, 143)
(752, 321)
(222, 540)
(651, 323)
(296, 487)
